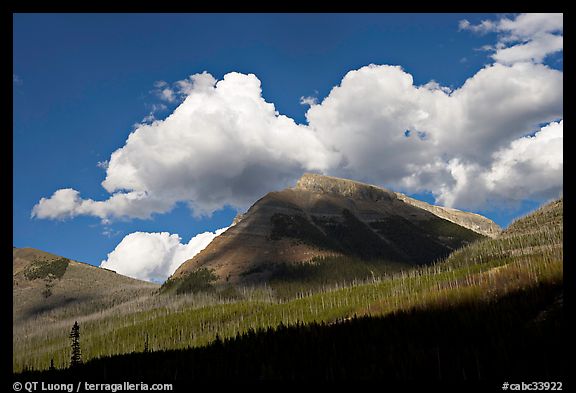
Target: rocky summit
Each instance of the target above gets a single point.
(324, 216)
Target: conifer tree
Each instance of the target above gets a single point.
(76, 357)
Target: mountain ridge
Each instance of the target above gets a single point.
(45, 285)
(522, 267)
(353, 188)
(323, 216)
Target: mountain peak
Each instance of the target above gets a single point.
(348, 188)
(324, 216)
(322, 184)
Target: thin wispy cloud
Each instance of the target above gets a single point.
(525, 37)
(308, 101)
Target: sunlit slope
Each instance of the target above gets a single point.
(49, 288)
(325, 216)
(527, 255)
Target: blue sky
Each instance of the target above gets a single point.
(82, 82)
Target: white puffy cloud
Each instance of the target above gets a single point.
(365, 119)
(532, 165)
(527, 37)
(224, 145)
(62, 204)
(67, 203)
(501, 103)
(155, 256)
(529, 167)
(429, 138)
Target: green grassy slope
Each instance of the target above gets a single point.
(49, 288)
(473, 340)
(50, 292)
(525, 256)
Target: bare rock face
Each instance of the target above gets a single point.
(472, 221)
(342, 187)
(357, 190)
(328, 216)
(238, 218)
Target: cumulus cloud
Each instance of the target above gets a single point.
(526, 37)
(224, 145)
(532, 165)
(529, 167)
(427, 138)
(155, 256)
(67, 203)
(62, 204)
